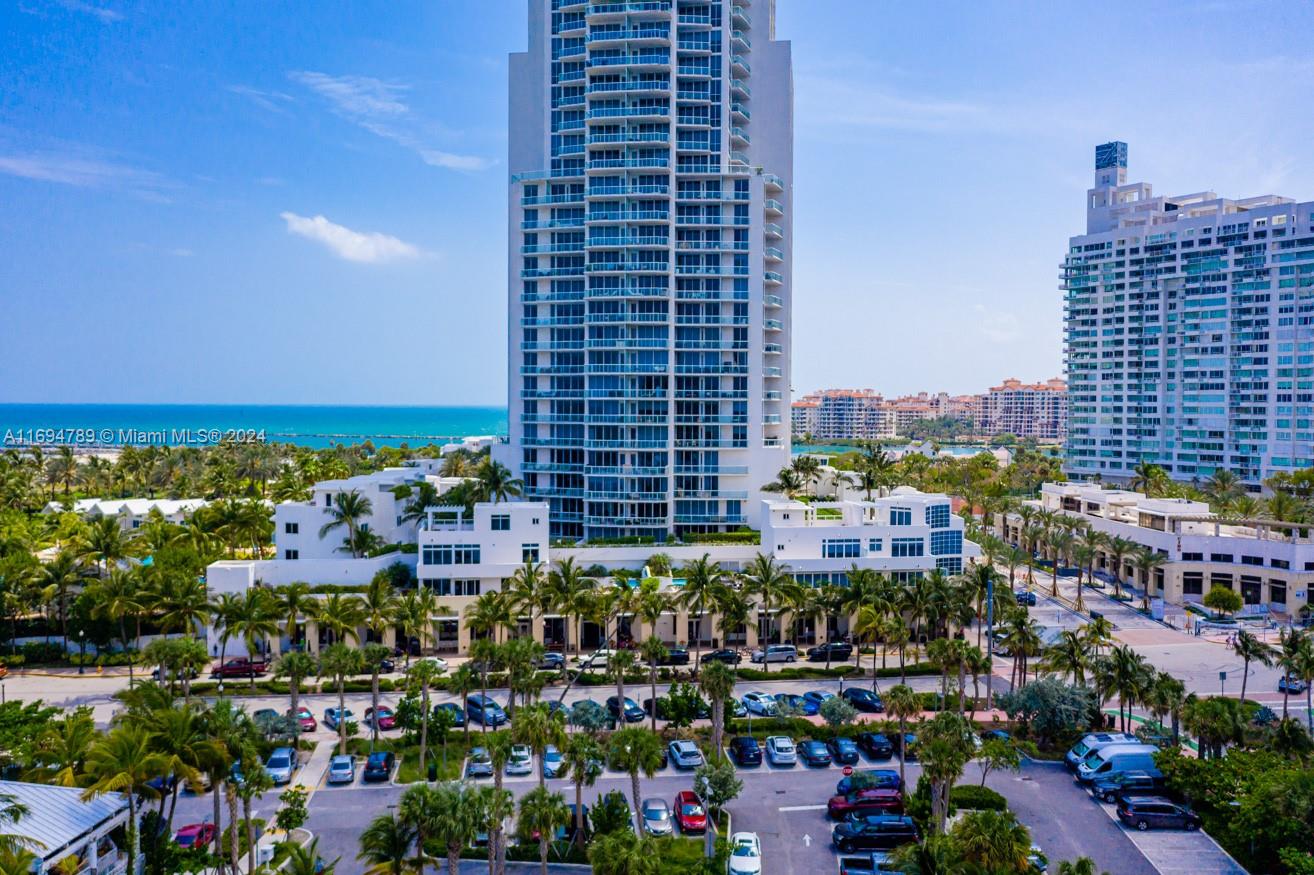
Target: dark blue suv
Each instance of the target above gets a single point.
(483, 710)
(745, 750)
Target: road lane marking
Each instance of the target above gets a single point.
(802, 808)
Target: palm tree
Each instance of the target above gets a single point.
(104, 541)
(1079, 866)
(341, 616)
(1223, 487)
(901, 703)
(296, 667)
(182, 602)
(1250, 649)
(1069, 655)
(1303, 667)
(1148, 478)
(808, 469)
(303, 859)
(1118, 549)
(123, 761)
(256, 621)
(59, 753)
(116, 598)
(635, 750)
(703, 587)
(787, 482)
(945, 747)
(1084, 555)
(384, 845)
(1148, 559)
(463, 682)
(348, 509)
(624, 853)
(421, 808)
(653, 652)
(179, 737)
(421, 675)
(373, 656)
(338, 661)
(993, 841)
(582, 758)
(294, 600)
(1126, 674)
(717, 681)
(59, 575)
(542, 813)
(569, 588)
(772, 583)
(1165, 696)
(495, 483)
(538, 728)
(455, 826)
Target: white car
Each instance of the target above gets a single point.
(759, 703)
(521, 760)
(776, 653)
(437, 662)
(597, 659)
(745, 854)
(780, 750)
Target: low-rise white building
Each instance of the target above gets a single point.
(62, 825)
(1267, 562)
(297, 524)
(131, 512)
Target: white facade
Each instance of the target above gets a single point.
(297, 523)
(651, 153)
(464, 556)
(131, 512)
(1189, 331)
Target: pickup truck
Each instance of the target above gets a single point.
(239, 667)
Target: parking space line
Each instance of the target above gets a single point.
(802, 808)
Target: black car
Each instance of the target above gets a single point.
(843, 751)
(1125, 784)
(863, 699)
(745, 750)
(633, 713)
(875, 745)
(1026, 598)
(1155, 812)
(813, 753)
(875, 833)
(676, 656)
(729, 657)
(379, 766)
(834, 651)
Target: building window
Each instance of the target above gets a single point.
(937, 516)
(946, 543)
(449, 554)
(501, 522)
(1220, 557)
(901, 516)
(900, 547)
(528, 552)
(1192, 557)
(1223, 580)
(291, 528)
(1277, 592)
(1279, 563)
(1250, 589)
(874, 545)
(328, 500)
(950, 565)
(1192, 583)
(466, 587)
(1252, 560)
(841, 548)
(535, 520)
(291, 554)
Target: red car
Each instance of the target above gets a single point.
(195, 835)
(240, 667)
(872, 800)
(689, 812)
(387, 720)
(306, 719)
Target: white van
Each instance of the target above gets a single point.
(1089, 744)
(1118, 758)
(776, 653)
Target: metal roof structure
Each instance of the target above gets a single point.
(57, 817)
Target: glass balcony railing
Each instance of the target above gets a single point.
(773, 325)
(630, 7)
(774, 206)
(772, 372)
(633, 33)
(551, 345)
(773, 301)
(727, 470)
(629, 85)
(628, 111)
(536, 224)
(710, 518)
(772, 349)
(773, 277)
(722, 494)
(741, 40)
(533, 273)
(740, 135)
(771, 229)
(629, 137)
(548, 248)
(544, 199)
(607, 318)
(770, 180)
(531, 370)
(626, 522)
(635, 59)
(740, 110)
(597, 242)
(740, 65)
(627, 163)
(774, 254)
(739, 86)
(628, 267)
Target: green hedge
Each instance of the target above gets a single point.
(977, 798)
(796, 674)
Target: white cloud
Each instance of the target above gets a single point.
(269, 100)
(84, 172)
(364, 247)
(182, 252)
(998, 327)
(379, 107)
(104, 13)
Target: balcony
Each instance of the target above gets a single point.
(702, 45)
(738, 157)
(634, 59)
(773, 301)
(628, 112)
(771, 229)
(549, 248)
(602, 9)
(627, 163)
(629, 137)
(625, 496)
(656, 33)
(532, 370)
(771, 419)
(626, 368)
(711, 320)
(625, 419)
(724, 470)
(772, 443)
(740, 65)
(772, 372)
(772, 277)
(695, 70)
(741, 41)
(740, 112)
(771, 253)
(627, 190)
(550, 321)
(552, 441)
(701, 20)
(773, 182)
(628, 267)
(629, 86)
(541, 297)
(533, 273)
(773, 325)
(740, 16)
(628, 292)
(551, 345)
(772, 349)
(711, 246)
(628, 343)
(740, 87)
(727, 419)
(537, 175)
(739, 136)
(599, 242)
(723, 494)
(543, 224)
(630, 216)
(773, 207)
(549, 394)
(623, 471)
(710, 518)
(632, 522)
(612, 318)
(713, 369)
(626, 444)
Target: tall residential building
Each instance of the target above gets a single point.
(843, 414)
(1189, 331)
(1027, 410)
(651, 152)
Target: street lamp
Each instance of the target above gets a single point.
(82, 652)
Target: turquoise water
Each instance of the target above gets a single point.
(306, 425)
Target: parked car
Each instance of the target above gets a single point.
(438, 663)
(745, 854)
(759, 703)
(843, 751)
(479, 764)
(869, 800)
(863, 699)
(1117, 758)
(656, 817)
(780, 750)
(689, 812)
(342, 769)
(907, 744)
(1092, 742)
(281, 764)
(483, 710)
(334, 716)
(881, 833)
(551, 661)
(776, 653)
(630, 710)
(306, 720)
(995, 735)
(703, 711)
(378, 766)
(553, 762)
(676, 656)
(1126, 784)
(1155, 812)
(684, 754)
(195, 835)
(598, 659)
(458, 716)
(1289, 684)
(835, 651)
(385, 717)
(745, 751)
(818, 696)
(884, 779)
(867, 863)
(520, 761)
(1026, 598)
(875, 745)
(264, 715)
(729, 657)
(567, 832)
(240, 667)
(796, 704)
(191, 674)
(813, 753)
(387, 666)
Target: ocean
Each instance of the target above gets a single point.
(86, 425)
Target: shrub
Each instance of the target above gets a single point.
(976, 798)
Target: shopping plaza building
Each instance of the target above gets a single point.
(1189, 331)
(651, 153)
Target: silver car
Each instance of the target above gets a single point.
(280, 765)
(685, 755)
(656, 817)
(521, 760)
(342, 769)
(780, 751)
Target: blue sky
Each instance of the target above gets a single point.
(306, 202)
